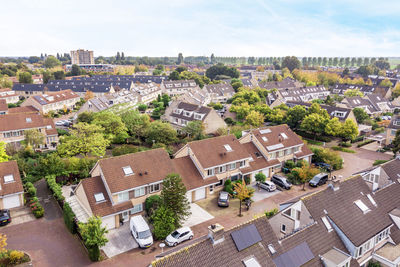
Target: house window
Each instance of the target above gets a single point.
(281, 153)
(283, 228)
(288, 212)
(123, 197)
(8, 178)
(242, 163)
(232, 166)
(154, 188)
(297, 215)
(296, 149)
(137, 208)
(221, 182)
(211, 188)
(222, 169)
(382, 235)
(210, 172)
(287, 152)
(140, 192)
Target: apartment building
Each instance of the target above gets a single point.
(11, 190)
(9, 95)
(13, 125)
(179, 114)
(82, 56)
(53, 101)
(176, 88)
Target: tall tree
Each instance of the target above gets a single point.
(173, 195)
(34, 138)
(295, 115)
(306, 172)
(360, 115)
(314, 124)
(243, 192)
(94, 236)
(396, 143)
(75, 70)
(25, 77)
(349, 130)
(3, 155)
(51, 62)
(180, 59)
(161, 132)
(333, 127)
(291, 63)
(195, 129)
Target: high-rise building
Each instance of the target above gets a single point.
(81, 56)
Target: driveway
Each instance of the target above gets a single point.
(120, 240)
(263, 194)
(20, 215)
(198, 215)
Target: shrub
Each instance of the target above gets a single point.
(312, 137)
(290, 164)
(366, 142)
(38, 210)
(163, 222)
(69, 218)
(260, 177)
(247, 179)
(345, 144)
(124, 149)
(152, 203)
(338, 148)
(328, 156)
(229, 121)
(271, 213)
(357, 139)
(228, 186)
(16, 256)
(379, 161)
(54, 187)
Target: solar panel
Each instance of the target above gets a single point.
(246, 237)
(295, 257)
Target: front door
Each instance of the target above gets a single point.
(125, 216)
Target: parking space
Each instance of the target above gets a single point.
(260, 194)
(198, 215)
(20, 215)
(120, 240)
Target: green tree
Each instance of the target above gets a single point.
(333, 127)
(386, 83)
(305, 173)
(180, 59)
(174, 76)
(25, 77)
(93, 235)
(136, 123)
(51, 62)
(291, 63)
(59, 75)
(396, 143)
(195, 129)
(160, 132)
(360, 115)
(47, 76)
(295, 115)
(173, 195)
(314, 124)
(86, 116)
(353, 92)
(349, 130)
(75, 70)
(241, 110)
(260, 178)
(255, 118)
(243, 192)
(34, 138)
(111, 123)
(164, 222)
(245, 95)
(221, 69)
(382, 64)
(236, 84)
(84, 139)
(3, 155)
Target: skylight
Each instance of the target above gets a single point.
(265, 131)
(264, 139)
(228, 148)
(8, 178)
(362, 206)
(28, 120)
(273, 147)
(251, 262)
(284, 136)
(372, 200)
(127, 170)
(327, 224)
(99, 197)
(271, 249)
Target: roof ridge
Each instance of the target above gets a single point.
(113, 157)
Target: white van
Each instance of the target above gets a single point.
(141, 231)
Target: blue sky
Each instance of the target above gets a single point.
(194, 27)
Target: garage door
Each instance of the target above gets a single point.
(109, 222)
(266, 172)
(11, 202)
(189, 196)
(200, 194)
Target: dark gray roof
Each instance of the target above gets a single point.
(330, 109)
(392, 169)
(190, 107)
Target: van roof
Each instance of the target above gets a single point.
(140, 223)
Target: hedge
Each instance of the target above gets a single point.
(69, 218)
(327, 155)
(366, 142)
(343, 149)
(55, 187)
(312, 137)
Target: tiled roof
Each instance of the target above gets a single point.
(94, 185)
(211, 152)
(54, 97)
(340, 207)
(330, 109)
(6, 168)
(392, 169)
(395, 122)
(143, 166)
(190, 107)
(259, 162)
(20, 121)
(3, 105)
(204, 254)
(25, 109)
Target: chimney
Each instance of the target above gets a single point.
(216, 233)
(280, 138)
(334, 184)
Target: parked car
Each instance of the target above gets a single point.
(178, 236)
(141, 231)
(5, 217)
(59, 123)
(324, 165)
(267, 185)
(319, 179)
(223, 199)
(281, 181)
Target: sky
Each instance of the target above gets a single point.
(354, 28)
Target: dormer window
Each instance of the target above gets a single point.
(8, 178)
(127, 170)
(99, 197)
(362, 206)
(228, 148)
(284, 136)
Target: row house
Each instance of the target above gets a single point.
(197, 97)
(13, 126)
(11, 190)
(176, 88)
(384, 92)
(179, 114)
(362, 219)
(374, 105)
(219, 93)
(392, 129)
(10, 96)
(53, 101)
(118, 186)
(303, 94)
(147, 92)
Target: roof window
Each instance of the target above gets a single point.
(326, 223)
(99, 197)
(228, 148)
(8, 178)
(127, 170)
(362, 206)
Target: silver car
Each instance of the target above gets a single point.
(267, 185)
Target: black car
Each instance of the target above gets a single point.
(319, 179)
(5, 217)
(281, 181)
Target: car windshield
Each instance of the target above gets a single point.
(144, 234)
(175, 234)
(315, 179)
(223, 196)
